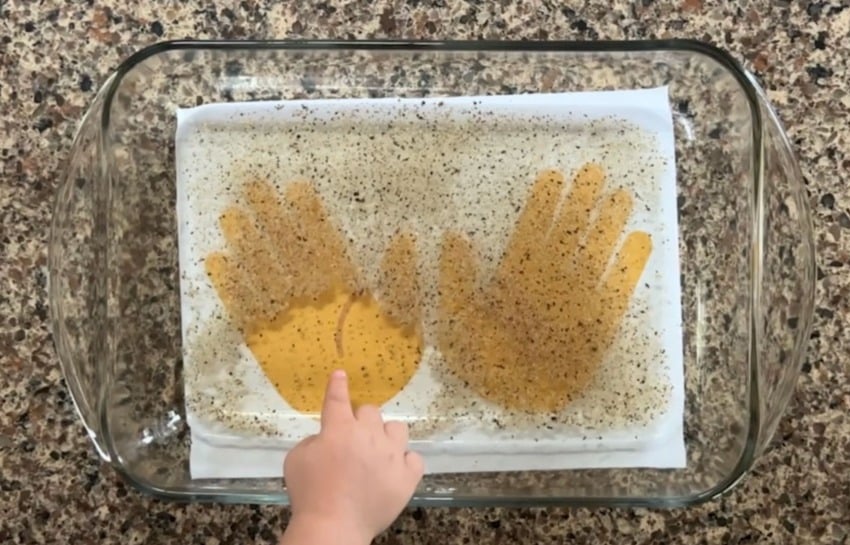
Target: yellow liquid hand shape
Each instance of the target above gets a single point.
(287, 283)
(532, 337)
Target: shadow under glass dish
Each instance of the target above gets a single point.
(745, 247)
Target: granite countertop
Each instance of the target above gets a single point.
(53, 57)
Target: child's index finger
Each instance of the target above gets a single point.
(337, 405)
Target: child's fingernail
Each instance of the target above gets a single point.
(339, 373)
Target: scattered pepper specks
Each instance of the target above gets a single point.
(383, 196)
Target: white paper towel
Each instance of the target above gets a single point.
(215, 143)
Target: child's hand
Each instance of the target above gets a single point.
(348, 483)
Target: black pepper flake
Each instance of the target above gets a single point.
(43, 123)
(156, 28)
(818, 72)
(828, 200)
(825, 313)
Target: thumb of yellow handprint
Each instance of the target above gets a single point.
(532, 336)
(303, 310)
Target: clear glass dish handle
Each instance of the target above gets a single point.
(77, 276)
(786, 299)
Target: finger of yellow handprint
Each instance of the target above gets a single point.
(398, 283)
(279, 227)
(457, 274)
(233, 285)
(254, 252)
(603, 234)
(535, 220)
(323, 251)
(575, 214)
(620, 280)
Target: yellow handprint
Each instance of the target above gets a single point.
(287, 283)
(531, 338)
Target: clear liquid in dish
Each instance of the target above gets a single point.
(446, 253)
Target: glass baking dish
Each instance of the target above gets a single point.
(745, 246)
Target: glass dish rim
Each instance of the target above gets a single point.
(423, 498)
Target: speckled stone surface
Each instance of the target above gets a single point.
(53, 57)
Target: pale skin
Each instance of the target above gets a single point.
(349, 482)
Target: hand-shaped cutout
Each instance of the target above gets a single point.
(287, 283)
(532, 337)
